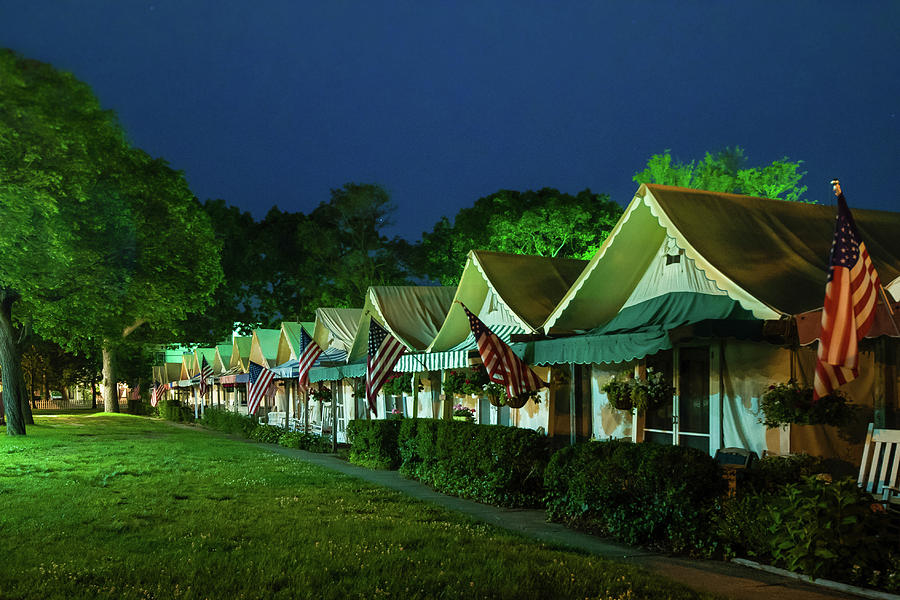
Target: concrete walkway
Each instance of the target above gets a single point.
(726, 579)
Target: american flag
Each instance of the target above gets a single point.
(159, 392)
(135, 393)
(261, 380)
(500, 362)
(384, 352)
(311, 351)
(850, 298)
(205, 374)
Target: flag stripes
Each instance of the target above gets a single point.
(308, 357)
(849, 308)
(159, 392)
(384, 352)
(500, 362)
(206, 373)
(261, 379)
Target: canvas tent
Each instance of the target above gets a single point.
(701, 284)
(510, 293)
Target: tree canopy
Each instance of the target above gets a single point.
(98, 238)
(544, 223)
(725, 171)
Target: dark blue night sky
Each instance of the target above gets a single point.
(266, 102)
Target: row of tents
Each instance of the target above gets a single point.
(720, 292)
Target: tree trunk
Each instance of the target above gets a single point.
(93, 394)
(10, 367)
(110, 389)
(27, 415)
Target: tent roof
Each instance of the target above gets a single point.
(200, 353)
(771, 256)
(529, 287)
(240, 352)
(264, 346)
(412, 314)
(291, 332)
(336, 327)
(223, 358)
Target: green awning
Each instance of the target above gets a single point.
(337, 373)
(637, 331)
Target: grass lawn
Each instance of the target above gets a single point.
(117, 506)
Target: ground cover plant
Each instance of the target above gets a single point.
(120, 506)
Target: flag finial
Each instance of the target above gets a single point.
(836, 186)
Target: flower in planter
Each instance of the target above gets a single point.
(464, 411)
(786, 403)
(323, 395)
(618, 391)
(626, 393)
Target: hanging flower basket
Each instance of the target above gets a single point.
(789, 403)
(399, 384)
(624, 392)
(618, 391)
(317, 395)
(522, 399)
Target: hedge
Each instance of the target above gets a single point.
(173, 410)
(644, 494)
(489, 463)
(373, 443)
(247, 426)
(228, 422)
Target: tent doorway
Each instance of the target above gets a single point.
(686, 420)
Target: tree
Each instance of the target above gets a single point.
(101, 237)
(343, 250)
(174, 268)
(544, 223)
(53, 208)
(724, 171)
(237, 301)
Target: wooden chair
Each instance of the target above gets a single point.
(879, 465)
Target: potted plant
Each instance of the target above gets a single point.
(320, 395)
(463, 413)
(465, 382)
(786, 403)
(399, 384)
(618, 391)
(651, 392)
(496, 393)
(395, 413)
(625, 392)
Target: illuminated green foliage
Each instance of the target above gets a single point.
(98, 238)
(725, 171)
(544, 223)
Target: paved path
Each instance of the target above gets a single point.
(727, 579)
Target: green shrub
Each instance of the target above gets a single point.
(817, 528)
(304, 441)
(173, 410)
(492, 464)
(646, 494)
(373, 443)
(773, 473)
(228, 422)
(267, 434)
(145, 409)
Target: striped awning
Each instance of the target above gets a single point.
(454, 358)
(357, 369)
(290, 369)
